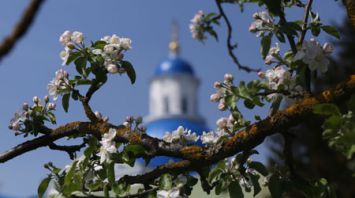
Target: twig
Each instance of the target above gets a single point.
(71, 150)
(305, 21)
(20, 28)
(231, 46)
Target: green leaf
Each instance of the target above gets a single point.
(166, 182)
(256, 185)
(326, 109)
(258, 167)
(65, 101)
(231, 101)
(135, 149)
(130, 71)
(265, 45)
(69, 176)
(331, 30)
(315, 28)
(80, 65)
(111, 173)
(280, 36)
(235, 191)
(72, 57)
(43, 186)
(99, 44)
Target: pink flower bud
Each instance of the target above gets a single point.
(51, 106)
(46, 99)
(252, 28)
(215, 97)
(222, 106)
(261, 74)
(327, 48)
(222, 122)
(36, 100)
(228, 77)
(217, 85)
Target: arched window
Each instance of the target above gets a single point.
(166, 104)
(184, 105)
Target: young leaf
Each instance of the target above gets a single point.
(258, 167)
(326, 109)
(265, 45)
(166, 182)
(235, 191)
(331, 30)
(43, 186)
(65, 102)
(130, 71)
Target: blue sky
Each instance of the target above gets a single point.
(32, 64)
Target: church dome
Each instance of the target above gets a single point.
(174, 65)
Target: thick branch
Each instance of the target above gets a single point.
(231, 46)
(71, 150)
(46, 140)
(21, 27)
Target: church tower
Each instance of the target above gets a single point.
(173, 98)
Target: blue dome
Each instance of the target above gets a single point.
(157, 128)
(173, 65)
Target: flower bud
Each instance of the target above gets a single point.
(36, 100)
(217, 85)
(127, 124)
(256, 15)
(222, 122)
(252, 28)
(261, 74)
(327, 48)
(222, 106)
(25, 106)
(112, 68)
(228, 77)
(46, 99)
(98, 115)
(129, 119)
(214, 97)
(51, 106)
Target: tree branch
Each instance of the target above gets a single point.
(71, 150)
(231, 46)
(305, 21)
(20, 28)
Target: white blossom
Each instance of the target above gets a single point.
(215, 97)
(64, 55)
(179, 134)
(196, 26)
(222, 122)
(278, 76)
(126, 43)
(108, 146)
(173, 193)
(274, 51)
(77, 37)
(314, 55)
(59, 84)
(65, 38)
(263, 23)
(51, 106)
(112, 68)
(211, 137)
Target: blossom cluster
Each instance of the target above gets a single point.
(180, 134)
(134, 124)
(197, 26)
(212, 137)
(314, 55)
(113, 52)
(222, 91)
(60, 84)
(108, 146)
(263, 23)
(21, 122)
(274, 52)
(69, 39)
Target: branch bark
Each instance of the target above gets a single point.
(20, 28)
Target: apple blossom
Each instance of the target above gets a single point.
(108, 146)
(196, 26)
(65, 38)
(173, 193)
(314, 55)
(59, 85)
(77, 37)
